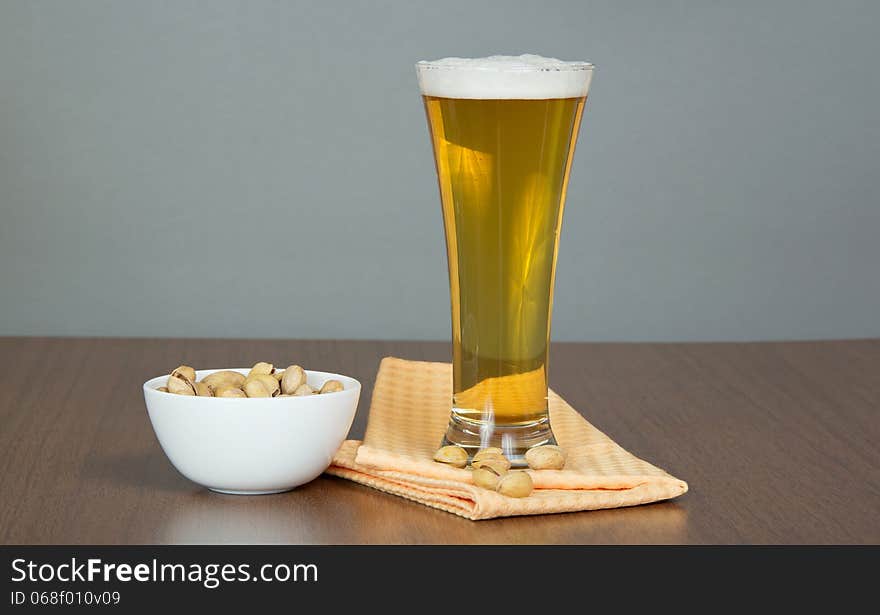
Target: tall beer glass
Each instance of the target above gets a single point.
(503, 130)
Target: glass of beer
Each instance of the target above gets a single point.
(503, 129)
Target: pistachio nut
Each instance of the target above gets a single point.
(185, 372)
(202, 389)
(332, 386)
(517, 484)
(227, 390)
(545, 458)
(452, 455)
(303, 389)
(267, 381)
(255, 388)
(262, 368)
(224, 378)
(499, 464)
(180, 386)
(294, 376)
(486, 477)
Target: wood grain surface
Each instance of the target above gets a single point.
(779, 442)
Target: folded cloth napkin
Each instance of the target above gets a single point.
(409, 413)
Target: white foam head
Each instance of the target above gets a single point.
(494, 77)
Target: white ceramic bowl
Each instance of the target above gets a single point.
(252, 446)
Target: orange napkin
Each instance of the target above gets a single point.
(408, 418)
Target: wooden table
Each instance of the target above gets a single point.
(780, 443)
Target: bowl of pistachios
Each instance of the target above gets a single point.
(251, 431)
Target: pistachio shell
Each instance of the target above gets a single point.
(267, 381)
(202, 389)
(499, 464)
(517, 484)
(262, 368)
(452, 455)
(278, 375)
(185, 372)
(303, 389)
(492, 451)
(227, 390)
(547, 457)
(180, 386)
(486, 478)
(163, 389)
(255, 388)
(294, 377)
(332, 386)
(224, 378)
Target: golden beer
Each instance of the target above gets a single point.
(502, 165)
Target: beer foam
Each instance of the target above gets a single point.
(494, 77)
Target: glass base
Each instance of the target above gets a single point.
(513, 440)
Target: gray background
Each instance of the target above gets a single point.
(263, 168)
